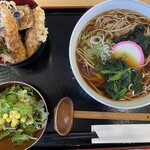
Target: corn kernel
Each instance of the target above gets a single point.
(17, 116)
(5, 116)
(15, 112)
(2, 120)
(20, 130)
(11, 115)
(4, 128)
(23, 119)
(8, 120)
(15, 121)
(13, 125)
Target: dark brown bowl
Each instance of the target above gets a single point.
(29, 59)
(6, 142)
(39, 50)
(31, 3)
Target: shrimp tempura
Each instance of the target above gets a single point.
(11, 35)
(36, 34)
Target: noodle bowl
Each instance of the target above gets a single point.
(99, 26)
(103, 28)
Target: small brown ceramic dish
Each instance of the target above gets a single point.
(6, 142)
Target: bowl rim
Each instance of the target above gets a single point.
(40, 95)
(72, 54)
(29, 59)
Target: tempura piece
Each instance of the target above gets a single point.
(36, 34)
(11, 35)
(27, 19)
(10, 5)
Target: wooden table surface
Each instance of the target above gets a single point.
(71, 3)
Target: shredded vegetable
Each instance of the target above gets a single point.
(21, 114)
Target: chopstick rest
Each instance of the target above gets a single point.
(123, 133)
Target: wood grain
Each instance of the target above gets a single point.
(72, 3)
(112, 115)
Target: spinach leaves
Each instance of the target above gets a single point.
(118, 77)
(136, 35)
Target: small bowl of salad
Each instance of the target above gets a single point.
(23, 115)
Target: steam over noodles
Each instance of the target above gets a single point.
(95, 54)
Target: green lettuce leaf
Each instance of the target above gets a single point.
(4, 107)
(25, 109)
(19, 138)
(4, 133)
(30, 130)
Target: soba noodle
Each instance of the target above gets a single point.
(103, 28)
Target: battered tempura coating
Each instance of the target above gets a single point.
(11, 35)
(36, 34)
(27, 20)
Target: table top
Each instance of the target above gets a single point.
(72, 3)
(67, 18)
(51, 74)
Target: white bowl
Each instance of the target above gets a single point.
(102, 7)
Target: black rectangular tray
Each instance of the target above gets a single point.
(51, 74)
